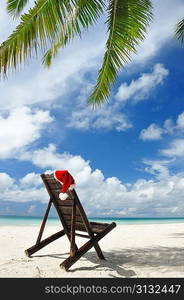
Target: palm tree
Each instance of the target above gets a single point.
(52, 24)
(179, 33)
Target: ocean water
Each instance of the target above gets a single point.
(34, 221)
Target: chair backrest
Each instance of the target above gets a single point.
(64, 207)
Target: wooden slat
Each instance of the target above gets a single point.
(56, 190)
(58, 201)
(67, 210)
(48, 176)
(56, 195)
(68, 222)
(82, 235)
(97, 229)
(68, 218)
(52, 181)
(55, 187)
(67, 202)
(80, 226)
(73, 226)
(100, 225)
(62, 203)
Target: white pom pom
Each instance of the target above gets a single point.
(63, 196)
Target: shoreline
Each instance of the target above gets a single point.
(54, 221)
(149, 250)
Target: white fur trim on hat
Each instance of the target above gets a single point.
(55, 176)
(72, 186)
(63, 196)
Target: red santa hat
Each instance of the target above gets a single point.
(67, 181)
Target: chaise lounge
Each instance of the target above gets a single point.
(74, 221)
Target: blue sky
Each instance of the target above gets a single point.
(127, 156)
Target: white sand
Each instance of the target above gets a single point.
(151, 250)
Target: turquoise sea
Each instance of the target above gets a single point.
(30, 221)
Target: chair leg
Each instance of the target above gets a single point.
(72, 235)
(44, 243)
(67, 263)
(44, 222)
(99, 251)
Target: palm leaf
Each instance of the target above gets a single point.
(42, 24)
(127, 24)
(179, 33)
(35, 29)
(15, 7)
(84, 13)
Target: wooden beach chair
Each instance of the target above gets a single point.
(74, 221)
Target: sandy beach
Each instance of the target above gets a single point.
(143, 250)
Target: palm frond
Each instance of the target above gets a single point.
(35, 29)
(84, 13)
(127, 24)
(179, 33)
(15, 7)
(43, 24)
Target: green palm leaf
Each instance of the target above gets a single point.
(127, 24)
(179, 33)
(15, 7)
(53, 23)
(36, 27)
(41, 24)
(85, 13)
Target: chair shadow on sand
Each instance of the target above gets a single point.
(122, 261)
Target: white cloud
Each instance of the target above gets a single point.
(6, 181)
(106, 117)
(176, 148)
(12, 190)
(167, 14)
(140, 88)
(54, 160)
(36, 85)
(180, 121)
(7, 24)
(160, 196)
(169, 126)
(158, 168)
(30, 180)
(153, 132)
(41, 85)
(109, 196)
(31, 210)
(20, 128)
